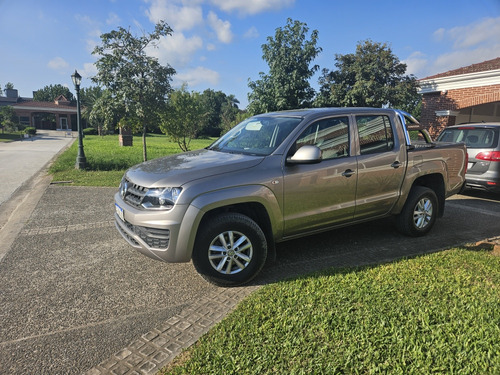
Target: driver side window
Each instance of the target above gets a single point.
(330, 135)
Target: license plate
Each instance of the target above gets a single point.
(119, 212)
(470, 165)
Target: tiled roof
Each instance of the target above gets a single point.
(44, 105)
(474, 68)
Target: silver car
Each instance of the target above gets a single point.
(483, 149)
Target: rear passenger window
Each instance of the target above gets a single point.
(375, 134)
(330, 135)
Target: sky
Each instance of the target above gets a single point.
(217, 44)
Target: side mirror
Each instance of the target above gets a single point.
(307, 154)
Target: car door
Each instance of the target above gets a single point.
(381, 165)
(319, 195)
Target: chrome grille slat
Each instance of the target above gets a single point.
(135, 194)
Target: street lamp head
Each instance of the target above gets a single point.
(77, 79)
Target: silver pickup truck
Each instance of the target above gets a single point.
(279, 176)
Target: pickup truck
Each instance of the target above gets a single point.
(278, 176)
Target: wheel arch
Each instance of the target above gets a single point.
(257, 202)
(435, 182)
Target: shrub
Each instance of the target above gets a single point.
(90, 131)
(30, 130)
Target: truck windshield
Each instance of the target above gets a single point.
(259, 135)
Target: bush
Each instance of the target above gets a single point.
(90, 131)
(30, 130)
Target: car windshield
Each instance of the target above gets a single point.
(472, 137)
(259, 135)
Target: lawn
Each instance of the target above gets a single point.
(107, 160)
(438, 313)
(6, 137)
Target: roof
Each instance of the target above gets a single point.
(474, 68)
(44, 106)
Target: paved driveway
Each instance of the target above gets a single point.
(76, 299)
(20, 160)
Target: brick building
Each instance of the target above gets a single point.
(57, 115)
(468, 94)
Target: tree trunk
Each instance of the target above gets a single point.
(144, 151)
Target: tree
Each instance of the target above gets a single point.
(371, 77)
(137, 82)
(219, 108)
(51, 92)
(100, 111)
(183, 116)
(289, 55)
(8, 118)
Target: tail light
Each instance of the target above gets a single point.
(489, 156)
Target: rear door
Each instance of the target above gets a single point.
(381, 165)
(322, 194)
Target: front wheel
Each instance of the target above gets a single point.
(419, 212)
(230, 249)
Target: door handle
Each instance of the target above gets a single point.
(396, 164)
(348, 173)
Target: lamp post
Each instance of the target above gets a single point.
(81, 160)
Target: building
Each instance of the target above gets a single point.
(468, 94)
(57, 115)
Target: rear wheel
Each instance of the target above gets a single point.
(230, 249)
(419, 212)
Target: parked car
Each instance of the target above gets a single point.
(279, 176)
(483, 148)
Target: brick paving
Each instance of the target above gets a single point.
(155, 349)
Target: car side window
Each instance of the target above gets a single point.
(330, 135)
(375, 134)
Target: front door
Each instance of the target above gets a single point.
(64, 123)
(319, 195)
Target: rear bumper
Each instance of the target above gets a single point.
(492, 185)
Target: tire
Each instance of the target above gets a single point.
(229, 250)
(419, 212)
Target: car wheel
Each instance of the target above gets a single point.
(230, 249)
(419, 212)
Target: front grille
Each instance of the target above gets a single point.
(155, 238)
(134, 194)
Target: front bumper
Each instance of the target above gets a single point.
(153, 233)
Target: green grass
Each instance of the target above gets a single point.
(6, 137)
(107, 160)
(435, 314)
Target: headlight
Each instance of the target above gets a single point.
(161, 198)
(123, 187)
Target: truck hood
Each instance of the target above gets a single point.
(177, 170)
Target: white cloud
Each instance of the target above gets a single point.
(250, 7)
(221, 28)
(252, 33)
(89, 70)
(178, 17)
(113, 19)
(484, 31)
(57, 63)
(461, 46)
(197, 76)
(176, 49)
(415, 63)
(464, 57)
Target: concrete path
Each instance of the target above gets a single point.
(21, 160)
